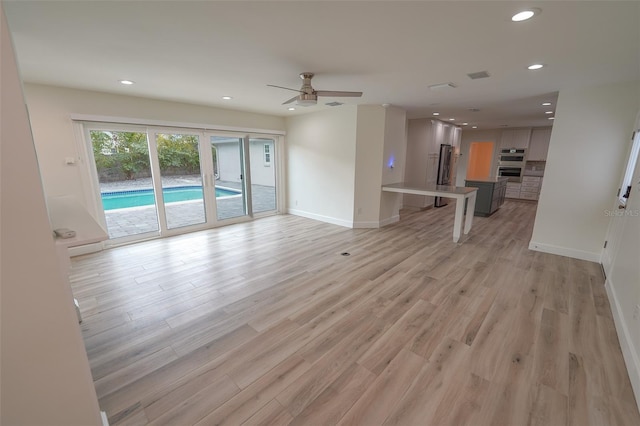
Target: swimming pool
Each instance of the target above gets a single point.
(144, 197)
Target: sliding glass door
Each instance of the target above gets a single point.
(180, 180)
(229, 172)
(262, 151)
(158, 181)
(123, 166)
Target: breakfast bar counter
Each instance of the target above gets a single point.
(459, 193)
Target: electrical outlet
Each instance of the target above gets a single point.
(296, 203)
(636, 313)
(359, 210)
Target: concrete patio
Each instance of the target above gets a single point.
(139, 220)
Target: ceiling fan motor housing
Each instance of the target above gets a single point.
(307, 99)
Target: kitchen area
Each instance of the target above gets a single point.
(502, 163)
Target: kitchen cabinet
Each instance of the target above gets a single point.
(513, 190)
(530, 187)
(491, 194)
(515, 138)
(539, 144)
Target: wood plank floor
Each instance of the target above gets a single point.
(267, 323)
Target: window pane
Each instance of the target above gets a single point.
(179, 158)
(229, 173)
(124, 173)
(263, 176)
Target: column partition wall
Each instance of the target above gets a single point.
(151, 181)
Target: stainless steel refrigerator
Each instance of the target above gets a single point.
(444, 171)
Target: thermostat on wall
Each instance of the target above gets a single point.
(64, 233)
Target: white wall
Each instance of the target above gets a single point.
(45, 371)
(260, 173)
(50, 109)
(229, 167)
(321, 158)
(370, 136)
(395, 149)
(468, 137)
(586, 154)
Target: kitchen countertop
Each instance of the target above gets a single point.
(490, 179)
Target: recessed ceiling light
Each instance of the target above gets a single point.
(436, 113)
(525, 14)
(535, 66)
(546, 103)
(465, 124)
(126, 82)
(291, 109)
(552, 118)
(226, 98)
(474, 127)
(452, 119)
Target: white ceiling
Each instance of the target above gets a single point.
(197, 52)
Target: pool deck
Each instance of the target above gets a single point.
(138, 220)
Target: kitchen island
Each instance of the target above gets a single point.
(491, 194)
(458, 193)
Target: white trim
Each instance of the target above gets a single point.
(390, 220)
(321, 218)
(565, 251)
(377, 224)
(629, 353)
(178, 124)
(367, 224)
(103, 417)
(85, 249)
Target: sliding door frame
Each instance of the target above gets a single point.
(91, 185)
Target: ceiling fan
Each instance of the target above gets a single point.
(309, 96)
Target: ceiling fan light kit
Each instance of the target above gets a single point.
(309, 96)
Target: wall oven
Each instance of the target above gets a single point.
(514, 156)
(511, 162)
(513, 173)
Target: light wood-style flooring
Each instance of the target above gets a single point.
(266, 323)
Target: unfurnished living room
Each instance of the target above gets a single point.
(320, 213)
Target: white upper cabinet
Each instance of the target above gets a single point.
(539, 145)
(515, 138)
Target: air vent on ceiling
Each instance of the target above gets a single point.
(334, 103)
(474, 109)
(477, 75)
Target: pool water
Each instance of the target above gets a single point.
(144, 197)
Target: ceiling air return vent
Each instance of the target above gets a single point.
(477, 75)
(333, 104)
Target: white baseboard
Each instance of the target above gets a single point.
(629, 352)
(366, 224)
(105, 420)
(390, 220)
(565, 251)
(321, 218)
(85, 249)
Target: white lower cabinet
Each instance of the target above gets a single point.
(530, 189)
(513, 190)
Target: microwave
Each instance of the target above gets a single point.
(512, 173)
(513, 156)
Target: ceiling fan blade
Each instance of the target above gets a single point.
(290, 100)
(336, 94)
(280, 87)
